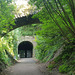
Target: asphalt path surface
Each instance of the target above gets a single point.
(26, 66)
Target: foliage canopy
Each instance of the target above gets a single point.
(6, 16)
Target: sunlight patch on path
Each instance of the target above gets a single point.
(27, 60)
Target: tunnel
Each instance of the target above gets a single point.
(25, 49)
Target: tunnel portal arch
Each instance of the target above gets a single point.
(25, 49)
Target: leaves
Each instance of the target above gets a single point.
(6, 17)
(58, 26)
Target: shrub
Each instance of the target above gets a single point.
(64, 68)
(51, 66)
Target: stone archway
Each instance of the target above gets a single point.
(29, 42)
(22, 21)
(25, 49)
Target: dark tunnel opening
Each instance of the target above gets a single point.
(25, 49)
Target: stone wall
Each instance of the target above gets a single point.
(27, 38)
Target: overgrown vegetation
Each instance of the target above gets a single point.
(65, 62)
(58, 28)
(6, 16)
(6, 44)
(28, 30)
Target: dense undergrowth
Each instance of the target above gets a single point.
(45, 49)
(58, 29)
(6, 52)
(65, 62)
(6, 44)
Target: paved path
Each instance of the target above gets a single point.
(25, 66)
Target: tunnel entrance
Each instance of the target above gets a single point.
(25, 49)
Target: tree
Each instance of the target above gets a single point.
(6, 16)
(24, 10)
(58, 25)
(61, 12)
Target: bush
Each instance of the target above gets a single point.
(51, 66)
(64, 68)
(67, 59)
